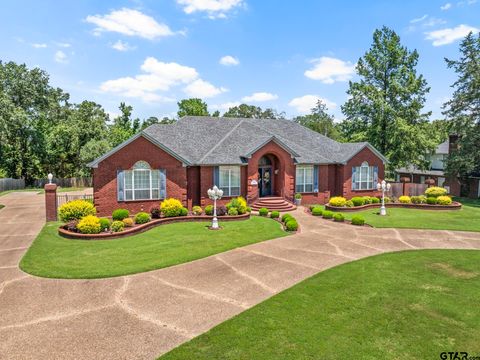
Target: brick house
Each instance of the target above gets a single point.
(258, 159)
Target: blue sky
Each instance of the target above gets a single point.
(280, 54)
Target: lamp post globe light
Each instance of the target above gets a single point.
(215, 194)
(50, 178)
(383, 187)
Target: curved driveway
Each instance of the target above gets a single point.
(142, 316)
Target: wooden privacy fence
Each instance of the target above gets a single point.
(11, 184)
(66, 182)
(63, 198)
(398, 189)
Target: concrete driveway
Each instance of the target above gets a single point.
(142, 316)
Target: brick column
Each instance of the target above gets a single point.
(51, 201)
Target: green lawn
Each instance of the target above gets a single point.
(468, 218)
(408, 305)
(54, 256)
(42, 191)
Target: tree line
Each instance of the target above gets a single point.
(41, 131)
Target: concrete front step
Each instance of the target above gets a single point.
(273, 203)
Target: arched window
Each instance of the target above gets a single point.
(364, 177)
(264, 161)
(141, 183)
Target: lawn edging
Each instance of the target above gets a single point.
(147, 226)
(453, 206)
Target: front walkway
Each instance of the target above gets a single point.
(142, 316)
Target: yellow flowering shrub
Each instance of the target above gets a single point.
(171, 207)
(90, 224)
(75, 210)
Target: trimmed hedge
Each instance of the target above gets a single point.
(104, 224)
(317, 211)
(358, 201)
(404, 199)
(285, 217)
(327, 214)
(275, 214)
(444, 200)
(358, 220)
(435, 191)
(338, 201)
(120, 214)
(338, 217)
(142, 218)
(263, 212)
(291, 225)
(117, 226)
(89, 224)
(75, 210)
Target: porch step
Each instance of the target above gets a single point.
(273, 203)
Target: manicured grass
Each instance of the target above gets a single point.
(467, 218)
(39, 191)
(408, 305)
(54, 256)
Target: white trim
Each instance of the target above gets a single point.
(375, 151)
(275, 140)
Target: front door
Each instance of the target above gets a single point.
(265, 181)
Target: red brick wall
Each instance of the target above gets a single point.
(345, 172)
(105, 176)
(284, 181)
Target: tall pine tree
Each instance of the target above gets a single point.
(463, 110)
(385, 105)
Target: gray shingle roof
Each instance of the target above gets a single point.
(201, 140)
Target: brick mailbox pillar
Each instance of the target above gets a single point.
(51, 202)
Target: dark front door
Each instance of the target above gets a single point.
(265, 181)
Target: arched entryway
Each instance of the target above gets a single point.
(267, 175)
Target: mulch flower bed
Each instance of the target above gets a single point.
(138, 228)
(453, 206)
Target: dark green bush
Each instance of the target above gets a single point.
(422, 199)
(183, 211)
(327, 214)
(291, 225)
(431, 200)
(358, 220)
(358, 201)
(275, 214)
(142, 218)
(105, 224)
(368, 199)
(338, 217)
(375, 200)
(120, 214)
(263, 212)
(317, 211)
(286, 217)
(242, 209)
(233, 211)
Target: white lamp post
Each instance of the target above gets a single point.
(383, 186)
(215, 194)
(50, 178)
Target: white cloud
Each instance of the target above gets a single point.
(413, 21)
(122, 46)
(229, 61)
(259, 97)
(225, 106)
(60, 57)
(39, 46)
(329, 70)
(63, 44)
(449, 35)
(304, 104)
(214, 8)
(446, 6)
(203, 89)
(129, 22)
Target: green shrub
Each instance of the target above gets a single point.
(368, 199)
(171, 207)
(431, 200)
(358, 220)
(263, 212)
(421, 199)
(104, 224)
(117, 226)
(375, 200)
(435, 191)
(275, 214)
(358, 201)
(209, 210)
(327, 214)
(444, 200)
(128, 222)
(338, 201)
(387, 199)
(242, 210)
(183, 211)
(311, 206)
(233, 211)
(291, 225)
(120, 214)
(89, 224)
(197, 210)
(286, 217)
(249, 209)
(317, 211)
(405, 199)
(298, 196)
(75, 210)
(142, 218)
(338, 217)
(349, 203)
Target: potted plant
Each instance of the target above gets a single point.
(298, 199)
